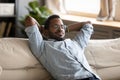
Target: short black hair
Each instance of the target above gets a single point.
(47, 22)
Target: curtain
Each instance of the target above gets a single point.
(56, 6)
(107, 8)
(117, 11)
(107, 11)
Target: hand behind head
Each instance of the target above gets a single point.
(29, 21)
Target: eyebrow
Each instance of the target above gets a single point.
(57, 24)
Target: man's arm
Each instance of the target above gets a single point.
(34, 35)
(85, 31)
(84, 35)
(76, 26)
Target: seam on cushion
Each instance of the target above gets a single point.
(91, 52)
(0, 70)
(25, 68)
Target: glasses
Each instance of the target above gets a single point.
(59, 27)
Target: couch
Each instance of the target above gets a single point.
(18, 63)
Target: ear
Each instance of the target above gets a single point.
(45, 34)
(41, 28)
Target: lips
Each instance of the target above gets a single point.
(60, 34)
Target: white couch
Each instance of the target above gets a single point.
(18, 63)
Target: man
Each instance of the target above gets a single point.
(63, 58)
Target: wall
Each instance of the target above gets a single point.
(22, 4)
(21, 12)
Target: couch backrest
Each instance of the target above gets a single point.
(15, 53)
(17, 61)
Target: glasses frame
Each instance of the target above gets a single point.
(57, 27)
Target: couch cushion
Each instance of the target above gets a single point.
(0, 70)
(25, 74)
(17, 61)
(15, 53)
(104, 57)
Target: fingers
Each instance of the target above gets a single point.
(29, 21)
(89, 22)
(86, 22)
(36, 21)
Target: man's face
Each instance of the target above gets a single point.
(56, 29)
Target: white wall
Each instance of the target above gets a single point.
(21, 9)
(21, 12)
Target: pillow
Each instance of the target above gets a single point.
(104, 57)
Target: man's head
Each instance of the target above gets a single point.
(54, 27)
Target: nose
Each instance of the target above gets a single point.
(60, 28)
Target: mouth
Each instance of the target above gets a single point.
(60, 34)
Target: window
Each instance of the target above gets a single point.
(89, 8)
